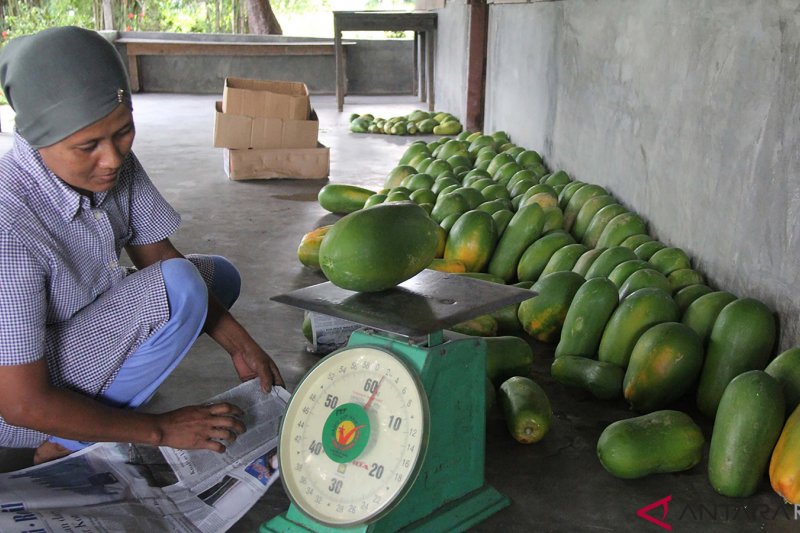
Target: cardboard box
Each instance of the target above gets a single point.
(299, 163)
(241, 132)
(287, 100)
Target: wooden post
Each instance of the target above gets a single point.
(476, 64)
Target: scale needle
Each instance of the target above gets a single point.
(374, 393)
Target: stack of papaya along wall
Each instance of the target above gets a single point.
(628, 315)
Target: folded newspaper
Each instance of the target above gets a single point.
(121, 487)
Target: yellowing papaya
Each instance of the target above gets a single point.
(452, 266)
(664, 365)
(542, 316)
(544, 199)
(523, 229)
(742, 339)
(747, 426)
(308, 250)
(472, 240)
(635, 314)
(658, 442)
(784, 465)
(479, 326)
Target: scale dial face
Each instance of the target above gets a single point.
(354, 436)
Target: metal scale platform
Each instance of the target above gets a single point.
(388, 433)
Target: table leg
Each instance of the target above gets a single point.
(430, 39)
(340, 74)
(133, 73)
(423, 59)
(415, 85)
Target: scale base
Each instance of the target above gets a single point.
(459, 515)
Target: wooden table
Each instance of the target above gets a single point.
(422, 23)
(140, 47)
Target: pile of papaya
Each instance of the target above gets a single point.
(416, 122)
(629, 316)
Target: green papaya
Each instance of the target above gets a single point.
(659, 442)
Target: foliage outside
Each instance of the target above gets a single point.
(305, 18)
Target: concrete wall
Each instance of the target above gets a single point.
(452, 39)
(373, 67)
(686, 110)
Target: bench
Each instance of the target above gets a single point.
(160, 47)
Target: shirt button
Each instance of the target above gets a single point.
(98, 214)
(112, 264)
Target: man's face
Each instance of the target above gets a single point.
(89, 160)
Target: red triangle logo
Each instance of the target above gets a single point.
(663, 502)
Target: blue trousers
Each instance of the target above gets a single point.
(147, 368)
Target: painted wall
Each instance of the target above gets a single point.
(686, 110)
(450, 61)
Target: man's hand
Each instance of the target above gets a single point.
(255, 363)
(201, 427)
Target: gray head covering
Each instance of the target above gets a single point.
(61, 80)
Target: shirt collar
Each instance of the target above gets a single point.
(65, 199)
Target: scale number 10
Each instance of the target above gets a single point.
(394, 422)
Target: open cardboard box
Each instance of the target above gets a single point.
(298, 163)
(241, 131)
(286, 100)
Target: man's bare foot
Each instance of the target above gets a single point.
(49, 451)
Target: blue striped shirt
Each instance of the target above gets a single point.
(59, 253)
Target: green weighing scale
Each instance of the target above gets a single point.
(388, 432)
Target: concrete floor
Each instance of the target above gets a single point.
(555, 485)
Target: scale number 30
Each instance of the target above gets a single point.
(335, 486)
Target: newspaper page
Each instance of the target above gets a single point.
(110, 487)
(330, 333)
